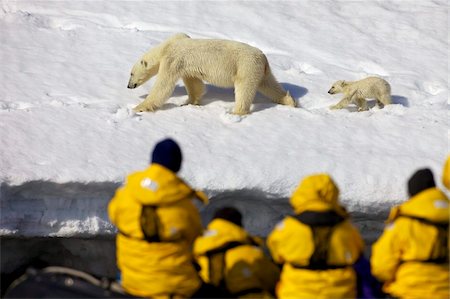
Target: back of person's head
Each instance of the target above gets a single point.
(168, 154)
(421, 180)
(230, 214)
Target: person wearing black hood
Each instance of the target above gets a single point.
(412, 255)
(232, 260)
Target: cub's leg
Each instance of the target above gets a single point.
(342, 103)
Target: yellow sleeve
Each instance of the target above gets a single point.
(446, 174)
(196, 222)
(113, 205)
(291, 241)
(189, 221)
(386, 254)
(275, 240)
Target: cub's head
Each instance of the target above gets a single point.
(337, 87)
(141, 72)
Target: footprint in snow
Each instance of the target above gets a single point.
(15, 106)
(372, 68)
(231, 118)
(122, 113)
(309, 69)
(433, 88)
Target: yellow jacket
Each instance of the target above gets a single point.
(292, 243)
(405, 242)
(155, 269)
(446, 173)
(248, 272)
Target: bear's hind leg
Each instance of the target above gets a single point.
(362, 104)
(195, 89)
(270, 88)
(384, 100)
(245, 92)
(379, 103)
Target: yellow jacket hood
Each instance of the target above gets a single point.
(293, 243)
(317, 193)
(220, 232)
(430, 204)
(159, 185)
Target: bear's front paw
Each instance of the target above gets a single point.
(334, 107)
(240, 112)
(143, 108)
(191, 101)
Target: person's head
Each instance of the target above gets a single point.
(319, 193)
(230, 214)
(421, 180)
(168, 154)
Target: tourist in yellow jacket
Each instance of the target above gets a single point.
(157, 223)
(411, 256)
(318, 246)
(232, 260)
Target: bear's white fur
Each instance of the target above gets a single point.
(357, 91)
(223, 63)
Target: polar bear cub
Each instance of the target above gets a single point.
(223, 63)
(357, 91)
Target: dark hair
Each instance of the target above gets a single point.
(230, 214)
(421, 180)
(168, 154)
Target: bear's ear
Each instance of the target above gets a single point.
(343, 83)
(144, 63)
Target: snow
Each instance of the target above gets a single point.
(69, 136)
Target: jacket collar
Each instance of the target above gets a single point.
(218, 233)
(159, 185)
(320, 219)
(430, 204)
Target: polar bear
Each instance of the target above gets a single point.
(223, 63)
(358, 91)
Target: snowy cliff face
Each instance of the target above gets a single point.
(82, 236)
(68, 137)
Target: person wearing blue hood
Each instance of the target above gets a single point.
(157, 224)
